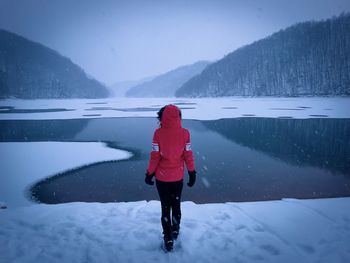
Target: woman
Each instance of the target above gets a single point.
(171, 149)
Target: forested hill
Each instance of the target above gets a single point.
(30, 70)
(307, 59)
(167, 84)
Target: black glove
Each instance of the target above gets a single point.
(192, 180)
(148, 178)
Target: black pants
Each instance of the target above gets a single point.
(170, 199)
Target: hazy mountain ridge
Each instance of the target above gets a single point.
(307, 59)
(165, 85)
(120, 88)
(29, 70)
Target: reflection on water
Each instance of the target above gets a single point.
(237, 159)
(323, 143)
(40, 130)
(9, 109)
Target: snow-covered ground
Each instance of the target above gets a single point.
(200, 109)
(275, 231)
(22, 164)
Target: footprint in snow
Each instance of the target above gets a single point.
(258, 229)
(257, 257)
(270, 249)
(346, 219)
(249, 238)
(240, 227)
(307, 248)
(223, 216)
(189, 224)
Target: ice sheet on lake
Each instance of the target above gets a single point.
(201, 109)
(24, 163)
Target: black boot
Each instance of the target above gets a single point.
(168, 242)
(176, 231)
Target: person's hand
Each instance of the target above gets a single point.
(192, 180)
(148, 178)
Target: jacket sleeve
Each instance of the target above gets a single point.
(155, 154)
(188, 154)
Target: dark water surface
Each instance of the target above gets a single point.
(241, 159)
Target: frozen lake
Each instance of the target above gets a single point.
(246, 148)
(195, 109)
(238, 159)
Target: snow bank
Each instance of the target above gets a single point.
(200, 109)
(24, 163)
(275, 231)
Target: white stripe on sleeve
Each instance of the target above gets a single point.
(155, 147)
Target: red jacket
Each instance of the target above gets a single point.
(171, 148)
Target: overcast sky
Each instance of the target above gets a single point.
(129, 40)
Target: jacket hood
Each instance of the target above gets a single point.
(171, 117)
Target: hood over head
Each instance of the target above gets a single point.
(171, 117)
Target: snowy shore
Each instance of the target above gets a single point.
(275, 231)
